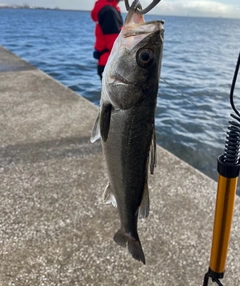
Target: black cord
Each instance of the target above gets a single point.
(232, 145)
(233, 86)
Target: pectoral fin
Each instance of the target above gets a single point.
(102, 123)
(96, 130)
(105, 119)
(153, 158)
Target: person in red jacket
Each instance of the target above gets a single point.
(107, 15)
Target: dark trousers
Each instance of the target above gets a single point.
(100, 70)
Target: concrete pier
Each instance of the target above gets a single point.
(54, 228)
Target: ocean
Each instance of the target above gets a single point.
(199, 59)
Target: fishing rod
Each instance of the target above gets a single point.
(138, 8)
(228, 169)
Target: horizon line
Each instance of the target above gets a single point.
(80, 10)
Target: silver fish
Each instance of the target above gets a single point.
(125, 123)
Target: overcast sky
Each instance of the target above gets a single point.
(209, 8)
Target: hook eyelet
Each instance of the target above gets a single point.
(136, 3)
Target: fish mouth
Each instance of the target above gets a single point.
(120, 79)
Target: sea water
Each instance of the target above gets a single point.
(199, 59)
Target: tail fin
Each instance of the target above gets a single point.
(134, 245)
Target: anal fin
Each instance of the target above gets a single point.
(108, 196)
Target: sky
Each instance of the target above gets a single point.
(202, 8)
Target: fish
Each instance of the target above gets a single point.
(126, 123)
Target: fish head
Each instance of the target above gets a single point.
(133, 68)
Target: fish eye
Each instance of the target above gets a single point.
(145, 57)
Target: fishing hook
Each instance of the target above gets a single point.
(140, 11)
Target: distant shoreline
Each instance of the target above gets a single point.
(42, 8)
(39, 8)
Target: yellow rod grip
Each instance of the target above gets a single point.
(222, 223)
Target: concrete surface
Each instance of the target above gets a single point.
(54, 228)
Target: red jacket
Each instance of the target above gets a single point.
(109, 22)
